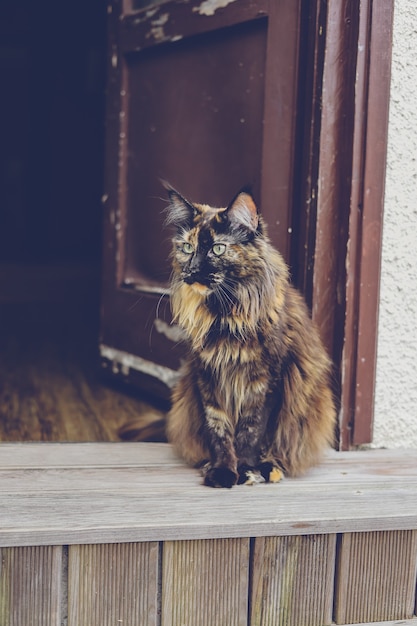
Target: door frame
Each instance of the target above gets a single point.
(349, 201)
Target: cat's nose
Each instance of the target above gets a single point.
(192, 277)
(195, 263)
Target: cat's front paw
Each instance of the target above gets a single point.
(249, 476)
(220, 477)
(271, 472)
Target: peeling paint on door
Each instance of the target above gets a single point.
(171, 332)
(157, 30)
(209, 7)
(122, 362)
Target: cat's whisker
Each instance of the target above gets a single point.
(158, 305)
(134, 305)
(222, 292)
(227, 302)
(229, 287)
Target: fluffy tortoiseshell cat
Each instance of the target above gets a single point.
(254, 397)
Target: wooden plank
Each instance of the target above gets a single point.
(376, 576)
(113, 584)
(30, 586)
(402, 622)
(293, 579)
(335, 465)
(205, 583)
(67, 455)
(123, 497)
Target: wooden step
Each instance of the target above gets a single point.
(116, 492)
(109, 533)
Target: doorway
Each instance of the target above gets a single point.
(51, 175)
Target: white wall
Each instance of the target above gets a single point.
(396, 384)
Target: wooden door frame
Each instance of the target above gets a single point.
(348, 207)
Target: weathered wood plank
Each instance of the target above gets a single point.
(293, 579)
(401, 622)
(112, 493)
(336, 466)
(205, 583)
(376, 576)
(113, 584)
(84, 455)
(30, 586)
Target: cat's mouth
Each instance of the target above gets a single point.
(198, 284)
(202, 290)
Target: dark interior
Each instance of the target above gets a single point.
(52, 128)
(52, 63)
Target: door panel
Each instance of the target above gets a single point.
(204, 96)
(189, 124)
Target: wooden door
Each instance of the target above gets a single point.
(290, 96)
(205, 95)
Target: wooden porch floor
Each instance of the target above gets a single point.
(116, 533)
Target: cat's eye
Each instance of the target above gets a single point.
(219, 249)
(187, 248)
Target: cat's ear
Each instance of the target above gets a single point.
(180, 212)
(242, 211)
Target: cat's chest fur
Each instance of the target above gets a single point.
(237, 372)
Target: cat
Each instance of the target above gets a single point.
(254, 400)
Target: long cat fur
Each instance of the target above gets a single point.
(254, 394)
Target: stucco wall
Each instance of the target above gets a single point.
(396, 385)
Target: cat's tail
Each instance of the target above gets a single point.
(144, 428)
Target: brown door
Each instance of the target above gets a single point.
(204, 95)
(290, 96)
